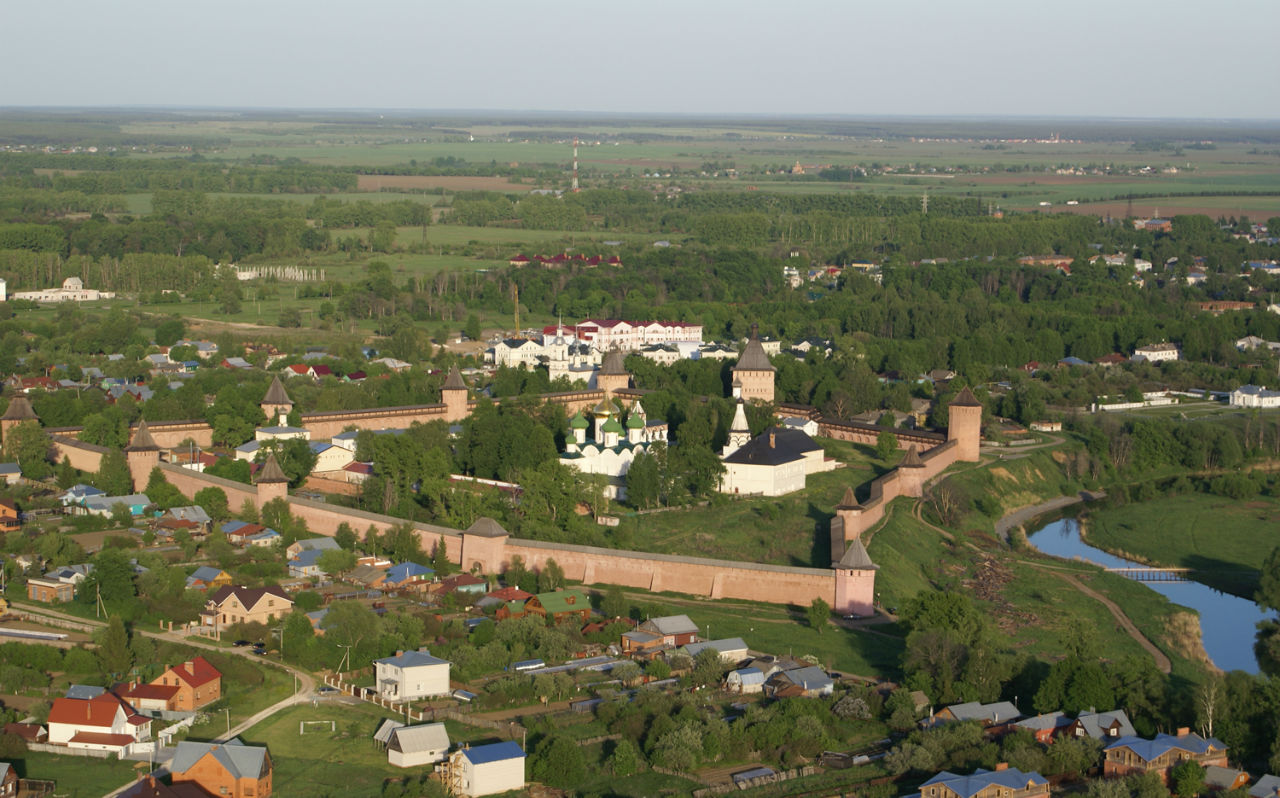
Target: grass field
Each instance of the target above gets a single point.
(786, 530)
(777, 629)
(78, 776)
(1224, 540)
(320, 762)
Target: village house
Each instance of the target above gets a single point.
(486, 769)
(198, 682)
(1267, 787)
(101, 722)
(8, 781)
(560, 604)
(731, 650)
(1159, 755)
(411, 675)
(744, 681)
(1045, 727)
(411, 746)
(1254, 396)
(1003, 782)
(238, 604)
(1155, 353)
(206, 577)
(49, 591)
(1219, 779)
(230, 769)
(997, 718)
(1102, 725)
(810, 682)
(10, 518)
(673, 630)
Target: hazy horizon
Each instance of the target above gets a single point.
(1089, 59)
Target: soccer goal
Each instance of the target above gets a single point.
(303, 724)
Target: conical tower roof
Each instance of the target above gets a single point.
(966, 398)
(613, 363)
(454, 381)
(19, 410)
(486, 527)
(753, 358)
(271, 471)
(855, 556)
(849, 502)
(912, 460)
(142, 440)
(276, 394)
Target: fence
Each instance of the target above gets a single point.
(759, 781)
(65, 751)
(512, 730)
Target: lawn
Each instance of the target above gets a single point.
(778, 630)
(784, 530)
(320, 762)
(1224, 540)
(77, 776)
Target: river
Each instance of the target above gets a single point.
(1228, 623)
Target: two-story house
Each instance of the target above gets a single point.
(198, 682)
(411, 675)
(1003, 782)
(232, 769)
(239, 604)
(103, 722)
(1160, 754)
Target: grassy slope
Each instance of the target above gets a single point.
(1225, 540)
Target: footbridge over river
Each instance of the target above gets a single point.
(1143, 573)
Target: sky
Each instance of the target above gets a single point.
(1072, 58)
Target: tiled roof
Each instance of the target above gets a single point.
(196, 672)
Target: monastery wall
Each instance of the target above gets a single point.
(84, 456)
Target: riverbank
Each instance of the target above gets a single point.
(1222, 540)
(1226, 623)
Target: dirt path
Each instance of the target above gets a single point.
(1020, 516)
(1162, 662)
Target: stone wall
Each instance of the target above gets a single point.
(84, 456)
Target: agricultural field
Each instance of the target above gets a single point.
(1224, 540)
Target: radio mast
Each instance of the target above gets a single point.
(575, 164)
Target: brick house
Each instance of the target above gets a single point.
(238, 604)
(197, 681)
(49, 591)
(232, 769)
(1160, 754)
(104, 722)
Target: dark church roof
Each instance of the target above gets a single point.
(774, 447)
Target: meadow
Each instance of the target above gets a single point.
(1224, 540)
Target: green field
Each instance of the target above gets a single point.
(78, 776)
(1224, 540)
(320, 762)
(786, 530)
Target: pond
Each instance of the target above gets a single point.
(1228, 623)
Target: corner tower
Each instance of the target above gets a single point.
(454, 395)
(754, 371)
(18, 412)
(964, 425)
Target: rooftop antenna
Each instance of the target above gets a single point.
(575, 164)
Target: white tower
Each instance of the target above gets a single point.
(739, 431)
